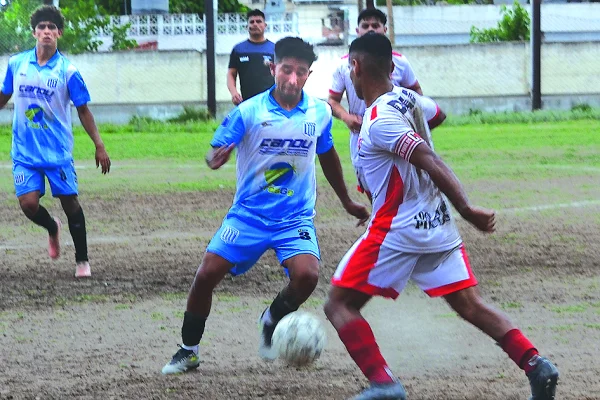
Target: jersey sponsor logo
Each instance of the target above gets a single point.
(244, 59)
(35, 92)
(310, 128)
(34, 113)
(229, 234)
(19, 178)
(402, 105)
(265, 124)
(425, 220)
(52, 83)
(277, 175)
(267, 60)
(285, 147)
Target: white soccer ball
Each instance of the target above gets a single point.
(299, 338)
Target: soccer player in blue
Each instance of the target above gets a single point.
(277, 133)
(44, 83)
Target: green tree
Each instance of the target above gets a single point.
(514, 26)
(120, 40)
(118, 7)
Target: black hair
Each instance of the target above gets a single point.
(373, 49)
(294, 47)
(372, 13)
(255, 13)
(47, 13)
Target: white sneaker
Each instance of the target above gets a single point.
(82, 270)
(265, 349)
(183, 361)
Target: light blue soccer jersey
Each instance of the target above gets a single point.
(42, 132)
(276, 150)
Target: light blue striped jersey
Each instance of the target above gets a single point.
(276, 150)
(42, 131)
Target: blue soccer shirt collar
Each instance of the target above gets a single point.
(272, 105)
(51, 62)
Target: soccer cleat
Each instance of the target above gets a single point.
(82, 270)
(54, 242)
(265, 349)
(383, 391)
(183, 361)
(543, 379)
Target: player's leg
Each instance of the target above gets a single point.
(449, 275)
(542, 374)
(360, 275)
(64, 185)
(297, 249)
(235, 243)
(29, 187)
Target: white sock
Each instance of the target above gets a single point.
(192, 348)
(266, 318)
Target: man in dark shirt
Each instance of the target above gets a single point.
(251, 59)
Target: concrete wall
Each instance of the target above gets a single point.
(491, 77)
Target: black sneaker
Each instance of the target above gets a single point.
(183, 361)
(543, 379)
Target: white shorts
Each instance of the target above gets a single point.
(376, 270)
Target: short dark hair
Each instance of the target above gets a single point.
(375, 50)
(47, 13)
(294, 47)
(372, 13)
(255, 13)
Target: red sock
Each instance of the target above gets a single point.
(519, 349)
(359, 340)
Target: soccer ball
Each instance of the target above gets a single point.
(299, 339)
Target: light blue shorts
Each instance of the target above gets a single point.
(242, 242)
(63, 179)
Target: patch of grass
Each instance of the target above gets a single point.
(511, 305)
(179, 314)
(174, 296)
(227, 298)
(157, 316)
(446, 315)
(592, 326)
(570, 309)
(563, 328)
(122, 306)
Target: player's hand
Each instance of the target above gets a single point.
(102, 159)
(353, 122)
(482, 218)
(219, 156)
(236, 99)
(359, 211)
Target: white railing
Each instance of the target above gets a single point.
(193, 24)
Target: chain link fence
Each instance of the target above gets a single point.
(168, 67)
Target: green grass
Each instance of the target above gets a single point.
(509, 164)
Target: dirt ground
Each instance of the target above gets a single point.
(108, 337)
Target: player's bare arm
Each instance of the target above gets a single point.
(89, 124)
(4, 99)
(353, 122)
(218, 156)
(437, 120)
(236, 97)
(417, 88)
(332, 169)
(424, 158)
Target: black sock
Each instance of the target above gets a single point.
(79, 235)
(192, 329)
(42, 218)
(282, 306)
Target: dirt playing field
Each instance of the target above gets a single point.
(109, 336)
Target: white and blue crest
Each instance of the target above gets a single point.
(310, 128)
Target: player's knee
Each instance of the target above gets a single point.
(29, 207)
(308, 277)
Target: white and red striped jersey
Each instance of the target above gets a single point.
(402, 75)
(409, 212)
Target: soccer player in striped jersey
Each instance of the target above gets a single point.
(278, 134)
(45, 83)
(412, 235)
